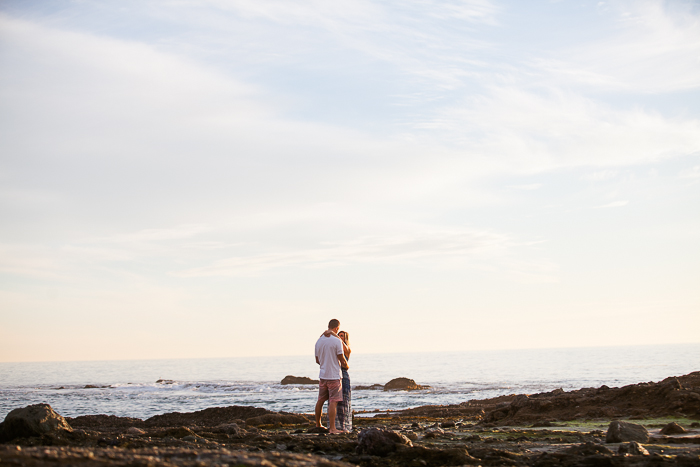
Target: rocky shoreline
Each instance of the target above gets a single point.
(637, 425)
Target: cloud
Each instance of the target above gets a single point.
(654, 50)
(614, 204)
(530, 131)
(439, 247)
(529, 187)
(600, 176)
(690, 173)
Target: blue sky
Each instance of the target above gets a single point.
(220, 178)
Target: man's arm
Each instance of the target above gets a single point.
(343, 361)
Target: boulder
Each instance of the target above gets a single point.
(229, 429)
(380, 442)
(620, 432)
(403, 384)
(673, 428)
(589, 449)
(33, 420)
(372, 387)
(289, 379)
(277, 419)
(633, 448)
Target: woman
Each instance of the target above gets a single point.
(343, 418)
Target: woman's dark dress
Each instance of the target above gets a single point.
(343, 419)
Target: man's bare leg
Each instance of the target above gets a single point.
(332, 410)
(319, 411)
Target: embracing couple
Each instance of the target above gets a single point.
(332, 353)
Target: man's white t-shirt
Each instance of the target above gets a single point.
(327, 351)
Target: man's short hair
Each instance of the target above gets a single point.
(334, 323)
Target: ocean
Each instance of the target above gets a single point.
(143, 388)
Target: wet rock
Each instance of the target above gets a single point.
(33, 420)
(212, 416)
(277, 419)
(403, 384)
(380, 442)
(105, 421)
(373, 387)
(673, 428)
(179, 432)
(420, 455)
(589, 449)
(620, 432)
(289, 379)
(318, 429)
(229, 429)
(433, 432)
(633, 448)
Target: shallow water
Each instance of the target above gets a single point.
(129, 388)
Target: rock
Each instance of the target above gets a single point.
(277, 419)
(179, 433)
(380, 442)
(420, 455)
(213, 416)
(673, 428)
(298, 380)
(620, 432)
(135, 431)
(403, 384)
(633, 448)
(589, 449)
(448, 424)
(105, 421)
(33, 420)
(372, 387)
(229, 429)
(318, 429)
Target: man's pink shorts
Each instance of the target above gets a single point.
(330, 389)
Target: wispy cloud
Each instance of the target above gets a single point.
(691, 173)
(614, 204)
(440, 247)
(655, 49)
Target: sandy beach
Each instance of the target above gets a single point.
(658, 425)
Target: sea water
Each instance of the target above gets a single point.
(143, 388)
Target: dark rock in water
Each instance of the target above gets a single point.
(318, 429)
(373, 387)
(179, 432)
(105, 421)
(298, 380)
(212, 416)
(380, 442)
(33, 420)
(403, 384)
(420, 455)
(620, 432)
(695, 425)
(633, 448)
(277, 419)
(589, 449)
(165, 381)
(673, 428)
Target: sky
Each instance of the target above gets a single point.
(220, 178)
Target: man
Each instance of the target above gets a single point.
(329, 354)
